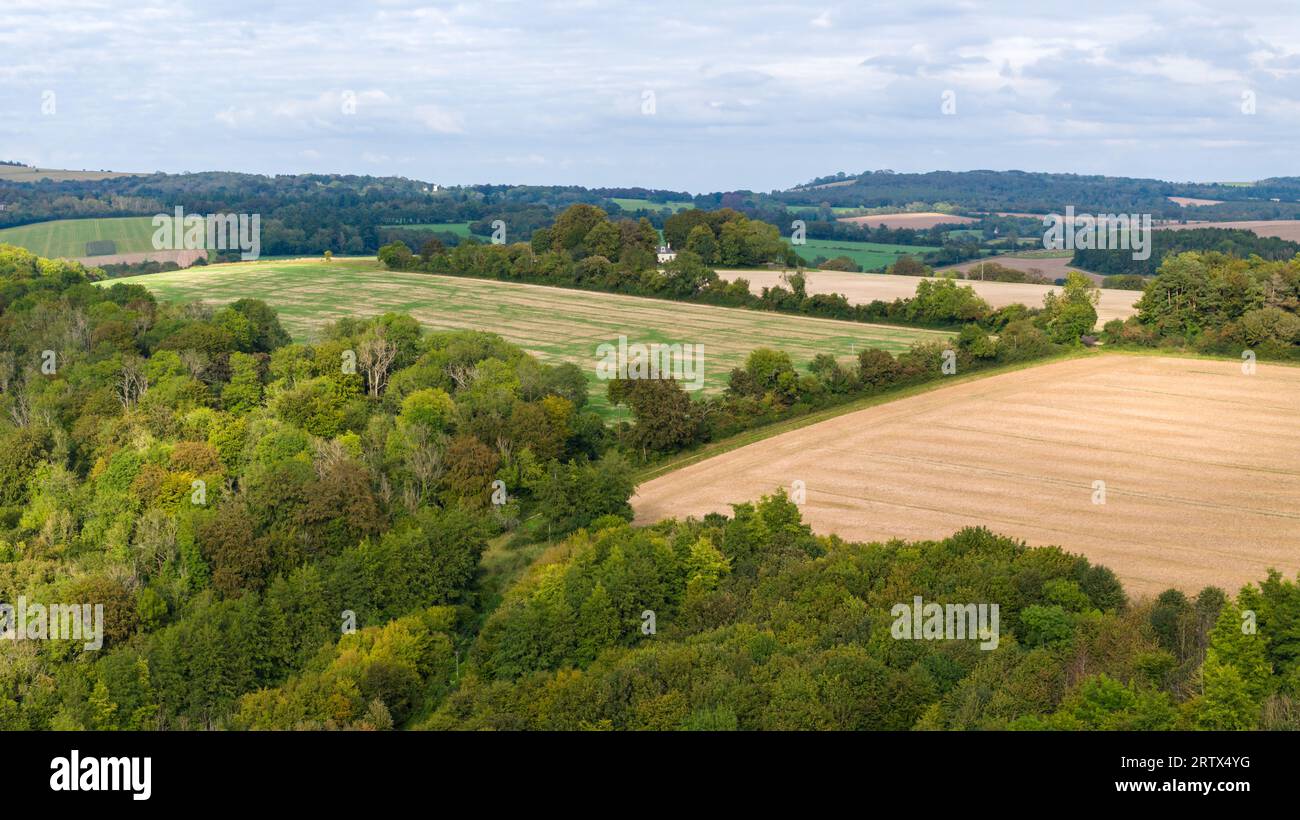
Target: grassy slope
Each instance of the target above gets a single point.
(68, 237)
(557, 324)
(458, 228)
(644, 204)
(869, 255)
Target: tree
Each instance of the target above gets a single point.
(598, 624)
(471, 467)
(230, 545)
(132, 382)
(703, 244)
(666, 420)
(243, 393)
(1225, 704)
(1074, 312)
(375, 355)
(908, 265)
(1244, 651)
(877, 369)
(432, 408)
(573, 225)
(396, 256)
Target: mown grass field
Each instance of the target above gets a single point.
(556, 324)
(639, 204)
(68, 237)
(870, 255)
(460, 229)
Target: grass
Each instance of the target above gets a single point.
(870, 255)
(645, 204)
(68, 237)
(1042, 254)
(460, 229)
(555, 324)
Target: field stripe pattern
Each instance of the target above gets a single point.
(1201, 465)
(556, 324)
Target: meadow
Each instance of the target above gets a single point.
(68, 237)
(460, 229)
(556, 324)
(870, 255)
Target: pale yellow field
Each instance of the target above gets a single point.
(15, 173)
(1288, 229)
(864, 287)
(1201, 465)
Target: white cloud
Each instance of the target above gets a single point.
(756, 94)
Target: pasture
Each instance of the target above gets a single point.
(460, 229)
(68, 237)
(1200, 464)
(870, 255)
(556, 324)
(629, 204)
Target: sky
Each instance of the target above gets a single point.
(701, 96)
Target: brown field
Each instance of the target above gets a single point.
(183, 258)
(864, 287)
(918, 221)
(1288, 229)
(1201, 465)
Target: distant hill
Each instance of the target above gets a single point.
(1039, 193)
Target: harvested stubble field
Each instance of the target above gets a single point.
(556, 324)
(865, 287)
(1201, 465)
(916, 221)
(1288, 229)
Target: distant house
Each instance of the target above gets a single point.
(666, 254)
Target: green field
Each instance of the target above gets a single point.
(556, 324)
(68, 237)
(645, 204)
(870, 255)
(460, 229)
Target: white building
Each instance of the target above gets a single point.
(666, 254)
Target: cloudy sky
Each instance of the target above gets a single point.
(701, 96)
